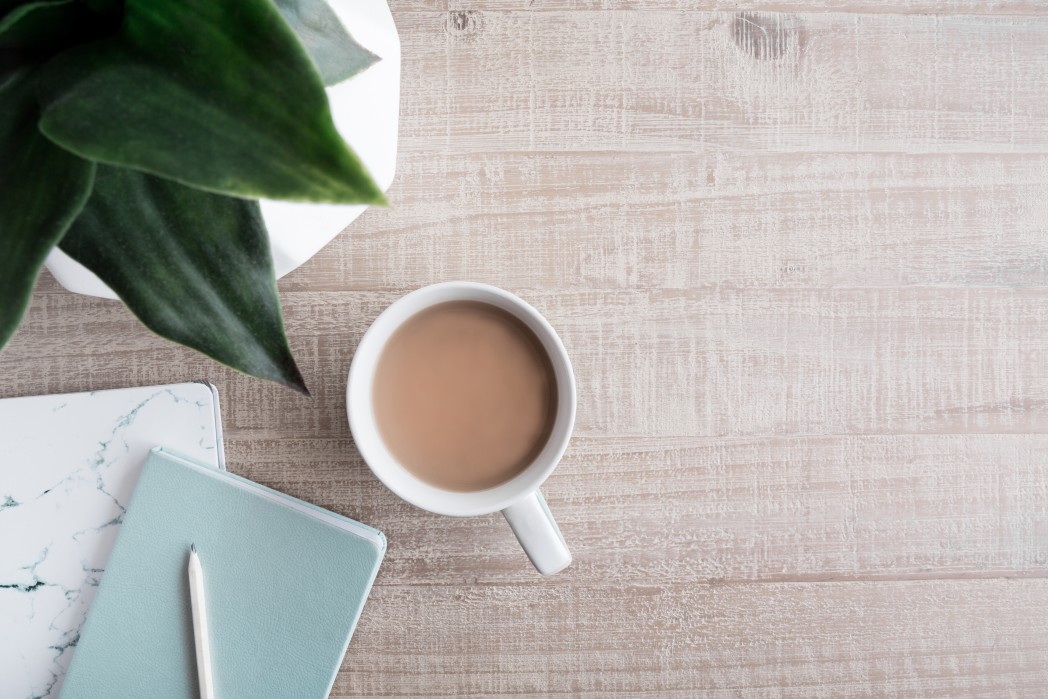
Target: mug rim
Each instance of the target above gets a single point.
(377, 455)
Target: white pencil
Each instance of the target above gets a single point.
(203, 647)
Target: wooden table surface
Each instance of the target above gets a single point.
(800, 261)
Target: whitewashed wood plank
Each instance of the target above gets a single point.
(669, 511)
(681, 220)
(604, 221)
(461, 9)
(703, 362)
(984, 638)
(669, 81)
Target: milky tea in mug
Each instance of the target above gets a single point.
(464, 395)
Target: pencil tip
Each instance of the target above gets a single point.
(192, 547)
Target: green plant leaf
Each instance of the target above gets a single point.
(335, 53)
(105, 7)
(195, 268)
(51, 24)
(42, 189)
(12, 60)
(217, 95)
(8, 5)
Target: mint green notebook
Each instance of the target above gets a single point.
(285, 583)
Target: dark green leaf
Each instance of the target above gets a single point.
(42, 189)
(8, 5)
(336, 54)
(13, 60)
(216, 95)
(194, 267)
(105, 7)
(50, 24)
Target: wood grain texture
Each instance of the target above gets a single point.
(800, 262)
(663, 81)
(987, 7)
(935, 638)
(649, 362)
(700, 220)
(726, 509)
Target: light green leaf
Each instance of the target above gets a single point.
(334, 52)
(42, 189)
(194, 267)
(217, 95)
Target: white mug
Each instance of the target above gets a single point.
(518, 499)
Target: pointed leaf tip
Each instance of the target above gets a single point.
(194, 267)
(334, 52)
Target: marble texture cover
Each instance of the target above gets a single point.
(68, 467)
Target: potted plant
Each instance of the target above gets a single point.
(138, 137)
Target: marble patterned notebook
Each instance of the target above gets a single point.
(68, 467)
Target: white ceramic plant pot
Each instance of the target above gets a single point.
(366, 109)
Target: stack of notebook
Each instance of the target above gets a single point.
(286, 581)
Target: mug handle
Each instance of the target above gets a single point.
(538, 534)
